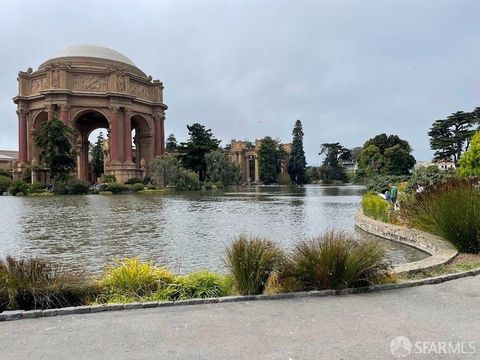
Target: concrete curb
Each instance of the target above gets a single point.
(88, 309)
(440, 250)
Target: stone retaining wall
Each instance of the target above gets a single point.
(440, 250)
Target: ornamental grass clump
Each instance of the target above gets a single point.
(130, 279)
(375, 207)
(450, 210)
(34, 283)
(251, 261)
(198, 284)
(336, 260)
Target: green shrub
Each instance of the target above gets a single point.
(6, 172)
(375, 207)
(147, 180)
(450, 210)
(60, 188)
(208, 185)
(284, 179)
(151, 187)
(134, 180)
(427, 177)
(131, 278)
(108, 179)
(18, 187)
(251, 261)
(137, 187)
(27, 175)
(187, 181)
(116, 188)
(380, 183)
(198, 284)
(335, 260)
(5, 183)
(77, 187)
(37, 188)
(470, 160)
(33, 283)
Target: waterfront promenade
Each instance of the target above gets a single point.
(343, 327)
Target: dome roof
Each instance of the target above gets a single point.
(91, 51)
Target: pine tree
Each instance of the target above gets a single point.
(200, 143)
(270, 155)
(97, 156)
(332, 169)
(450, 137)
(171, 145)
(297, 162)
(56, 150)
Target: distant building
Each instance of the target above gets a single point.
(423, 164)
(441, 165)
(245, 155)
(7, 158)
(350, 167)
(445, 165)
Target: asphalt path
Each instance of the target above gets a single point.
(428, 322)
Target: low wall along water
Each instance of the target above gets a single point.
(440, 250)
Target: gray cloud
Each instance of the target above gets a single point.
(348, 70)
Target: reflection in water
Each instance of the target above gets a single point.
(184, 230)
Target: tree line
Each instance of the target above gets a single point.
(202, 157)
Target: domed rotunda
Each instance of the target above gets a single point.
(87, 88)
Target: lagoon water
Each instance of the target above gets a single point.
(184, 231)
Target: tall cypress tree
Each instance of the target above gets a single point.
(297, 162)
(269, 157)
(97, 156)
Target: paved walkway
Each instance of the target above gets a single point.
(348, 327)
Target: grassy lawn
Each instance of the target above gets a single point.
(462, 262)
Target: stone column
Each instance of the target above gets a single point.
(64, 114)
(49, 111)
(114, 135)
(79, 158)
(247, 168)
(159, 133)
(85, 148)
(127, 126)
(162, 129)
(22, 135)
(257, 173)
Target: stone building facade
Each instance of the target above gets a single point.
(245, 155)
(91, 87)
(7, 159)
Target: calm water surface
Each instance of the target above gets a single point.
(184, 231)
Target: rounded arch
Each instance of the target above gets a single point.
(141, 123)
(93, 113)
(83, 111)
(87, 120)
(141, 137)
(84, 122)
(40, 118)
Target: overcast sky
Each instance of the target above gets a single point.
(348, 69)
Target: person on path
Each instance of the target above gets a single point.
(393, 195)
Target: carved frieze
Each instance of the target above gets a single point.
(139, 91)
(89, 82)
(39, 85)
(120, 82)
(55, 76)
